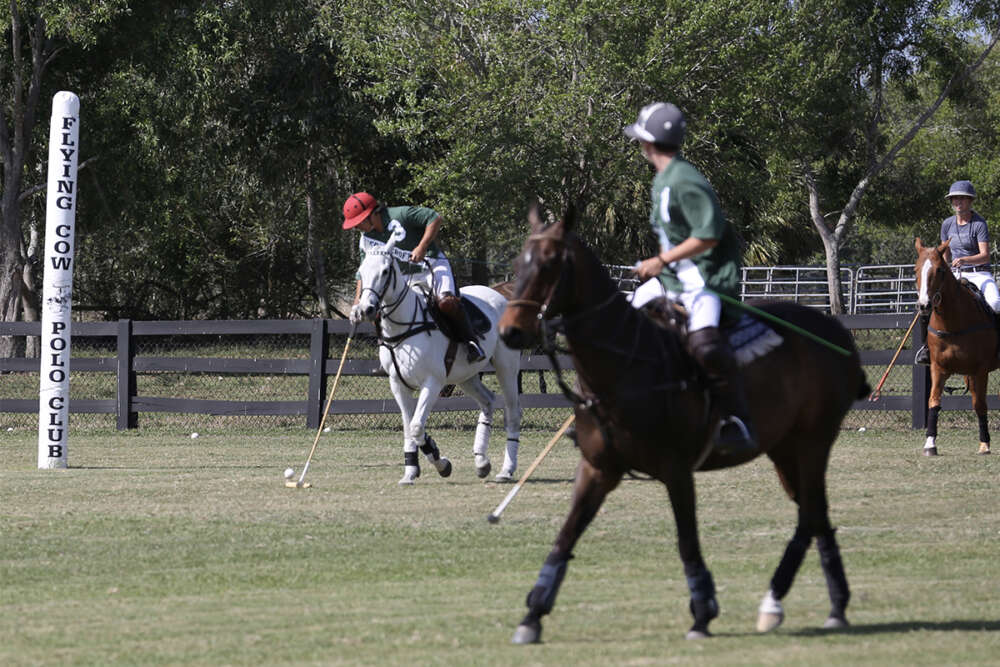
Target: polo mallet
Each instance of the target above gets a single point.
(875, 395)
(494, 516)
(305, 485)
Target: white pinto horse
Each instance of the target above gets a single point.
(412, 352)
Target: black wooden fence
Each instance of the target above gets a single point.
(321, 365)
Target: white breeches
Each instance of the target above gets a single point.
(440, 278)
(704, 307)
(984, 281)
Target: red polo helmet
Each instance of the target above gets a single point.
(357, 207)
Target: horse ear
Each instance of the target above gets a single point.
(918, 244)
(535, 218)
(944, 246)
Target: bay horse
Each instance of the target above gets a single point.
(642, 406)
(413, 351)
(963, 338)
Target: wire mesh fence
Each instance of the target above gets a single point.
(187, 353)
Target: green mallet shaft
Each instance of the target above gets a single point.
(777, 320)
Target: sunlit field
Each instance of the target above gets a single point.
(160, 548)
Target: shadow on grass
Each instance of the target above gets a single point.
(904, 626)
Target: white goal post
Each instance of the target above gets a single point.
(57, 285)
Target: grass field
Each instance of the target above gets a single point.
(157, 549)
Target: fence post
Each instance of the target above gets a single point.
(317, 373)
(126, 377)
(920, 386)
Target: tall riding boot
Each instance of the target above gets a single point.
(735, 433)
(451, 306)
(923, 355)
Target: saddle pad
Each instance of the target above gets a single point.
(750, 338)
(480, 323)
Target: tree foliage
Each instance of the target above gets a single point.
(220, 139)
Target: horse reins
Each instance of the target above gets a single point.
(386, 310)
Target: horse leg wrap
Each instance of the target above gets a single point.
(410, 459)
(542, 597)
(785, 573)
(932, 419)
(984, 428)
(482, 441)
(703, 605)
(833, 568)
(430, 449)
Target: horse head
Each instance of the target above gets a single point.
(541, 289)
(932, 273)
(380, 279)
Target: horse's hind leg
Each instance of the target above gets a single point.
(805, 482)
(507, 362)
(475, 389)
(589, 491)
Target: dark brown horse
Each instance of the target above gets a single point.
(963, 338)
(641, 406)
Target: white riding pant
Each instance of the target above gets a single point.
(440, 278)
(984, 281)
(703, 307)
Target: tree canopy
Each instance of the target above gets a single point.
(219, 140)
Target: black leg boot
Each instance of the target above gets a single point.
(451, 306)
(734, 435)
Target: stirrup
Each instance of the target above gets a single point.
(746, 443)
(475, 353)
(923, 356)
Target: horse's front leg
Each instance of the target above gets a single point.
(704, 607)
(938, 378)
(416, 435)
(407, 405)
(977, 385)
(589, 491)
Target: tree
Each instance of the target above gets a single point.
(838, 122)
(39, 32)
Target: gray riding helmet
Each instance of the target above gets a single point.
(659, 123)
(961, 189)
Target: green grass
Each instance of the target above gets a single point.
(159, 549)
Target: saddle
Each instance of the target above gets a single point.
(480, 322)
(477, 319)
(748, 337)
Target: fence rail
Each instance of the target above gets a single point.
(314, 361)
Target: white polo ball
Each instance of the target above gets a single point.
(289, 473)
(194, 435)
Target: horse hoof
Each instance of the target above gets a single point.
(835, 623)
(409, 476)
(504, 476)
(984, 448)
(767, 622)
(698, 634)
(930, 451)
(525, 634)
(444, 467)
(483, 471)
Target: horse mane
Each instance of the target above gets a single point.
(622, 329)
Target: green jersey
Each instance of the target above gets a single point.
(407, 224)
(685, 206)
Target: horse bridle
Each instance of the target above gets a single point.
(935, 303)
(543, 306)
